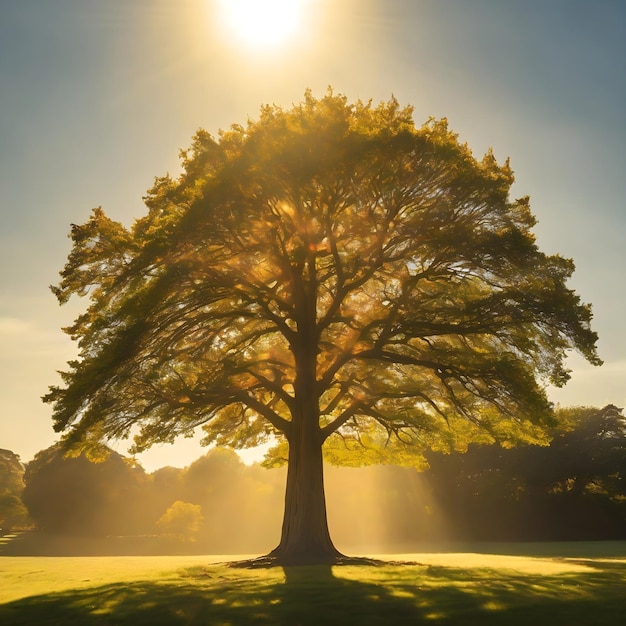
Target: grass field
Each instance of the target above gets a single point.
(515, 584)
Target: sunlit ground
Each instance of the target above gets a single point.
(434, 588)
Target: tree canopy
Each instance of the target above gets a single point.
(328, 270)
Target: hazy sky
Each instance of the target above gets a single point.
(97, 97)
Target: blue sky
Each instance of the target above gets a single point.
(97, 97)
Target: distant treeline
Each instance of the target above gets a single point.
(573, 489)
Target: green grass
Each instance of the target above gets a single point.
(537, 584)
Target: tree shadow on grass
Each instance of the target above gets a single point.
(305, 596)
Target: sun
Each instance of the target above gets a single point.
(262, 23)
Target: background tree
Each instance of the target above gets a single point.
(231, 496)
(583, 485)
(573, 489)
(164, 486)
(326, 271)
(13, 513)
(81, 497)
(182, 520)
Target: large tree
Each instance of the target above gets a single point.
(328, 271)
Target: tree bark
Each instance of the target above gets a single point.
(305, 538)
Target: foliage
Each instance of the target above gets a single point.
(78, 496)
(182, 520)
(230, 495)
(13, 513)
(331, 259)
(11, 472)
(241, 504)
(573, 489)
(81, 496)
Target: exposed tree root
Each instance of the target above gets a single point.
(270, 560)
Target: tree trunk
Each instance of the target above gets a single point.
(305, 538)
